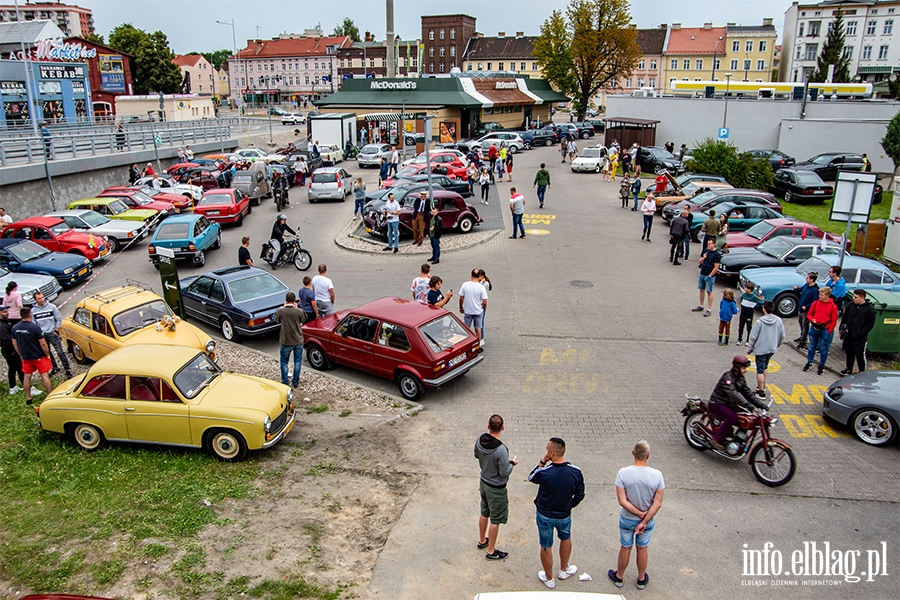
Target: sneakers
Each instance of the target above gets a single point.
(806, 367)
(846, 371)
(821, 371)
(616, 580)
(739, 343)
(482, 545)
(497, 555)
(15, 390)
(798, 340)
(707, 313)
(550, 583)
(37, 392)
(568, 572)
(641, 584)
(761, 394)
(698, 309)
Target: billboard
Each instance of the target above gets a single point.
(112, 72)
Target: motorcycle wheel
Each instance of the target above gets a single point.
(692, 440)
(782, 467)
(303, 260)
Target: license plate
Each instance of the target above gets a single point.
(368, 230)
(289, 427)
(82, 272)
(457, 360)
(213, 212)
(819, 192)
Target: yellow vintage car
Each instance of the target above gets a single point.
(170, 395)
(125, 315)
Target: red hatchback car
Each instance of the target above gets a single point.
(416, 345)
(135, 198)
(224, 205)
(765, 230)
(55, 235)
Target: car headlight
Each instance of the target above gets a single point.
(835, 392)
(68, 270)
(267, 423)
(210, 346)
(290, 396)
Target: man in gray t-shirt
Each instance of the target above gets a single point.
(639, 489)
(517, 208)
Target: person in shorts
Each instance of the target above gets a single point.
(765, 338)
(709, 268)
(473, 300)
(29, 342)
(561, 489)
(639, 489)
(496, 467)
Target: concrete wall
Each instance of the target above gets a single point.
(829, 126)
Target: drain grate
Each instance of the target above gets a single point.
(581, 284)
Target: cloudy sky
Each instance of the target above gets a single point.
(190, 24)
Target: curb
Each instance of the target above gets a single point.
(347, 232)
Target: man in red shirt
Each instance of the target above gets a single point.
(662, 182)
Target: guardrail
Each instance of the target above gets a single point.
(63, 144)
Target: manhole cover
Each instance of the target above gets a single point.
(581, 284)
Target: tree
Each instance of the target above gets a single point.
(217, 58)
(833, 54)
(348, 27)
(740, 169)
(152, 67)
(891, 141)
(95, 37)
(591, 46)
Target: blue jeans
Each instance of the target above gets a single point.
(541, 190)
(517, 223)
(285, 359)
(435, 248)
(358, 206)
(635, 200)
(687, 246)
(393, 234)
(819, 340)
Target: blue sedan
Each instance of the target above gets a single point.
(188, 236)
(240, 301)
(777, 283)
(24, 256)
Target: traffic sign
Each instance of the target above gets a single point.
(723, 133)
(157, 140)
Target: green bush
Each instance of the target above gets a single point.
(738, 168)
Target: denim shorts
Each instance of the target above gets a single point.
(546, 525)
(627, 537)
(762, 362)
(706, 282)
(474, 321)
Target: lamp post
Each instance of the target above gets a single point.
(403, 125)
(237, 66)
(715, 51)
(727, 84)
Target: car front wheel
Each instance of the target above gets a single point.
(786, 304)
(114, 245)
(874, 427)
(227, 445)
(317, 358)
(78, 353)
(410, 386)
(466, 224)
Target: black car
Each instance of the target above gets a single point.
(654, 160)
(377, 199)
(777, 159)
(778, 251)
(240, 301)
(285, 170)
(313, 161)
(827, 164)
(799, 185)
(544, 137)
(599, 125)
(459, 186)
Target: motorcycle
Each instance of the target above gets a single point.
(278, 255)
(771, 460)
(280, 196)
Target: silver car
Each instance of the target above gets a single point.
(868, 403)
(118, 233)
(253, 183)
(329, 183)
(29, 284)
(371, 155)
(170, 186)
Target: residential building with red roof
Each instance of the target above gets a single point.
(693, 53)
(198, 74)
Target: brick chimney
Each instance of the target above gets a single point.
(520, 34)
(707, 26)
(767, 22)
(676, 26)
(368, 36)
(501, 34)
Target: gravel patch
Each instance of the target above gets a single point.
(354, 237)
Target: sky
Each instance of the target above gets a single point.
(191, 24)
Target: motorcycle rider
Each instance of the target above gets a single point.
(730, 393)
(280, 186)
(276, 239)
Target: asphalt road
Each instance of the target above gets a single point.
(590, 337)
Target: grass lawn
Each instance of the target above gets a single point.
(817, 214)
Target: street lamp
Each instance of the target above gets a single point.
(727, 84)
(269, 79)
(403, 125)
(237, 63)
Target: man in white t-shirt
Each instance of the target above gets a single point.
(324, 290)
(473, 300)
(639, 489)
(5, 219)
(395, 161)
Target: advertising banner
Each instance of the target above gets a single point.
(112, 72)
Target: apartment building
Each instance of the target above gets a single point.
(508, 54)
(198, 75)
(750, 51)
(444, 39)
(74, 21)
(368, 58)
(693, 53)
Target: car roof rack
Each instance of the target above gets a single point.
(125, 287)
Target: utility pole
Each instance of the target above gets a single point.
(237, 78)
(389, 39)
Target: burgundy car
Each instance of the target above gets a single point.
(416, 345)
(224, 205)
(770, 228)
(203, 177)
(456, 213)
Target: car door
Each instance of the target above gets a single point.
(43, 237)
(204, 233)
(196, 300)
(217, 303)
(101, 339)
(103, 400)
(353, 343)
(394, 349)
(798, 255)
(449, 212)
(872, 278)
(79, 328)
(155, 413)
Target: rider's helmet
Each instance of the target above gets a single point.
(282, 217)
(741, 361)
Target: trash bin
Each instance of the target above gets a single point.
(885, 336)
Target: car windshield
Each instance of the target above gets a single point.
(27, 250)
(663, 154)
(208, 199)
(141, 198)
(60, 228)
(821, 159)
(808, 177)
(775, 247)
(94, 219)
(443, 333)
(244, 178)
(814, 265)
(701, 198)
(255, 286)
(173, 231)
(149, 191)
(369, 150)
(139, 317)
(117, 207)
(760, 230)
(196, 375)
(324, 177)
(589, 153)
(407, 171)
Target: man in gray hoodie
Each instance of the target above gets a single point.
(765, 338)
(496, 467)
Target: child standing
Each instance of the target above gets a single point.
(727, 310)
(625, 191)
(749, 302)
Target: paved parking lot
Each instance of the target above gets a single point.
(590, 337)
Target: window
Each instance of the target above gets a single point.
(306, 80)
(469, 67)
(534, 66)
(748, 46)
(452, 50)
(442, 34)
(870, 28)
(671, 82)
(652, 82)
(698, 64)
(282, 67)
(151, 389)
(653, 65)
(717, 64)
(490, 66)
(442, 52)
(848, 52)
(673, 64)
(393, 336)
(889, 27)
(628, 83)
(431, 34)
(799, 52)
(801, 29)
(500, 66)
(480, 66)
(762, 45)
(452, 34)
(814, 28)
(640, 83)
(359, 328)
(697, 79)
(431, 67)
(105, 386)
(883, 53)
(641, 64)
(686, 63)
(867, 52)
(734, 64)
(760, 65)
(442, 67)
(736, 45)
(850, 29)
(372, 62)
(431, 52)
(811, 51)
(101, 325)
(522, 66)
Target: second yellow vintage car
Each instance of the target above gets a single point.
(169, 395)
(129, 314)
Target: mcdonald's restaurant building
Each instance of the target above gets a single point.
(457, 105)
